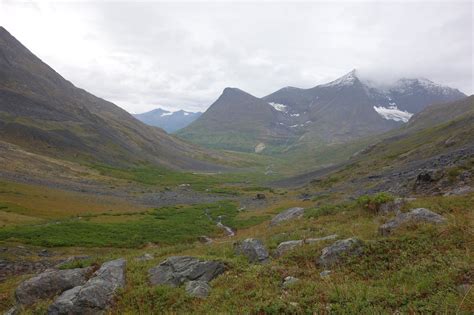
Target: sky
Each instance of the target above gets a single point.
(181, 55)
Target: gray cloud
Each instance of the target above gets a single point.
(143, 55)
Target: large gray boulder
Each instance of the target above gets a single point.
(96, 295)
(199, 289)
(49, 284)
(289, 214)
(330, 255)
(177, 270)
(253, 249)
(418, 215)
(287, 246)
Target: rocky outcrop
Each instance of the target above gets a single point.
(253, 249)
(199, 289)
(419, 215)
(96, 295)
(49, 284)
(331, 255)
(177, 270)
(289, 214)
(287, 246)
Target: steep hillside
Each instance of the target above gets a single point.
(435, 141)
(44, 113)
(169, 121)
(239, 121)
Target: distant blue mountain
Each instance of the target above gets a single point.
(169, 121)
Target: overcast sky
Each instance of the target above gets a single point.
(143, 55)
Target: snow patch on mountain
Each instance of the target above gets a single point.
(278, 107)
(393, 113)
(166, 114)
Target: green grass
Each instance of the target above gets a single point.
(167, 225)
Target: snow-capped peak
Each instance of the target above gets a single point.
(347, 79)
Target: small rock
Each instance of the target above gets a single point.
(50, 283)
(289, 214)
(199, 289)
(96, 295)
(463, 289)
(289, 281)
(12, 311)
(415, 215)
(394, 206)
(177, 270)
(260, 197)
(331, 254)
(45, 253)
(287, 246)
(145, 257)
(253, 249)
(325, 273)
(204, 239)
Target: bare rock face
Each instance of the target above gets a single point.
(253, 249)
(287, 246)
(289, 214)
(330, 255)
(199, 289)
(50, 283)
(418, 215)
(96, 295)
(177, 270)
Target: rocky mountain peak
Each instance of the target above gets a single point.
(348, 79)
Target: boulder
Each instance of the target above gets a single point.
(287, 246)
(418, 215)
(96, 295)
(253, 249)
(330, 255)
(289, 281)
(199, 289)
(325, 273)
(177, 270)
(289, 214)
(50, 283)
(260, 197)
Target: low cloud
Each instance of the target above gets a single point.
(143, 55)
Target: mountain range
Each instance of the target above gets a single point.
(167, 120)
(345, 109)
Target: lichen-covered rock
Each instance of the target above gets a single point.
(330, 255)
(253, 249)
(50, 283)
(96, 295)
(418, 215)
(289, 214)
(177, 270)
(199, 289)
